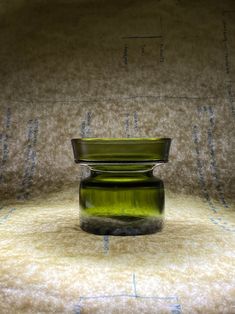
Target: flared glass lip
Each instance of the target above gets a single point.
(121, 150)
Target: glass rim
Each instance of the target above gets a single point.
(121, 139)
(138, 149)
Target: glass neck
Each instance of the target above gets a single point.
(122, 168)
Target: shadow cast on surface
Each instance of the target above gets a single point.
(175, 240)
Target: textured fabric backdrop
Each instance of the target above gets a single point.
(73, 68)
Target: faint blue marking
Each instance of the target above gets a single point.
(213, 162)
(128, 296)
(219, 222)
(200, 170)
(77, 309)
(4, 218)
(175, 308)
(30, 159)
(134, 285)
(196, 136)
(106, 244)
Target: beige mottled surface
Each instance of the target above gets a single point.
(119, 69)
(49, 265)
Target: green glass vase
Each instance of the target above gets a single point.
(121, 196)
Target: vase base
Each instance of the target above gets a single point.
(121, 226)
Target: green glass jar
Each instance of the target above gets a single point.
(121, 196)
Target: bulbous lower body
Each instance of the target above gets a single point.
(121, 203)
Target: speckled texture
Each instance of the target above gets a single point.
(49, 265)
(76, 68)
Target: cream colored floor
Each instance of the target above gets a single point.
(49, 265)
